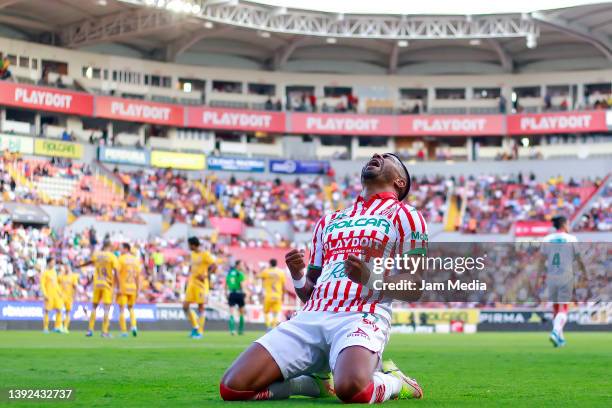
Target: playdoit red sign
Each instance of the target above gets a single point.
(451, 125)
(343, 124)
(532, 228)
(557, 122)
(139, 111)
(46, 99)
(235, 119)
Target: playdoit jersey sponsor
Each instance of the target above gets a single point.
(380, 227)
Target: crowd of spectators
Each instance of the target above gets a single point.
(494, 203)
(599, 216)
(489, 204)
(24, 251)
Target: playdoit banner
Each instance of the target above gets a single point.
(57, 148)
(174, 160)
(435, 316)
(17, 144)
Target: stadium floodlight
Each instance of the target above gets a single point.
(340, 17)
(531, 41)
(475, 41)
(402, 43)
(331, 40)
(161, 3)
(102, 3)
(149, 2)
(279, 11)
(209, 24)
(264, 34)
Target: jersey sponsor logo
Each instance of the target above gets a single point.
(353, 244)
(377, 222)
(335, 272)
(359, 333)
(419, 236)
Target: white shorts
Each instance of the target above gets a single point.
(560, 292)
(311, 341)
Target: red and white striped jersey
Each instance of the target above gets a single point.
(379, 227)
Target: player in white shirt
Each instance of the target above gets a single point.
(344, 324)
(560, 251)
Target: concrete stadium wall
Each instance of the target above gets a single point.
(132, 231)
(58, 215)
(543, 169)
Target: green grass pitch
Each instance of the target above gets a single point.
(170, 370)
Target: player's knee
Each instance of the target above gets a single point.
(231, 394)
(232, 387)
(348, 388)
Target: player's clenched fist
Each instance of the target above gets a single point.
(295, 262)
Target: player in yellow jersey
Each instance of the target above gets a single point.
(106, 266)
(202, 263)
(68, 282)
(51, 291)
(273, 283)
(129, 274)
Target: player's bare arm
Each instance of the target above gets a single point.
(296, 264)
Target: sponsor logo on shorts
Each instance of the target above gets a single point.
(359, 333)
(370, 323)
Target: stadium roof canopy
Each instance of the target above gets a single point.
(437, 37)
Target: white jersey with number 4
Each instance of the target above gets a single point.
(560, 250)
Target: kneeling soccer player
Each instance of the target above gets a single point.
(344, 324)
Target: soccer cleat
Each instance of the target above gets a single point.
(410, 388)
(46, 331)
(134, 331)
(124, 335)
(195, 334)
(233, 332)
(107, 335)
(556, 339)
(326, 384)
(59, 331)
(89, 333)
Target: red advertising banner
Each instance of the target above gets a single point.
(235, 119)
(532, 228)
(343, 124)
(46, 99)
(451, 125)
(139, 111)
(557, 122)
(227, 225)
